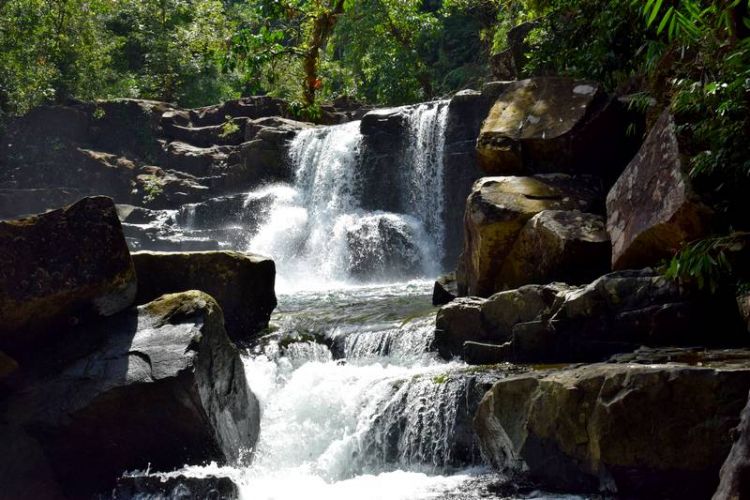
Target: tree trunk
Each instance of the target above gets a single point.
(322, 28)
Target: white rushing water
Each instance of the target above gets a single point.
(316, 229)
(353, 403)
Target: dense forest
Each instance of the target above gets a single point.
(692, 55)
(375, 249)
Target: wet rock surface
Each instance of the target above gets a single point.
(631, 430)
(242, 284)
(171, 356)
(616, 313)
(59, 268)
(173, 488)
(497, 210)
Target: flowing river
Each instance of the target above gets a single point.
(354, 404)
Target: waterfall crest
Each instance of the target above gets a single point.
(317, 230)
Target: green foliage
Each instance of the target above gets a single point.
(706, 262)
(153, 187)
(229, 127)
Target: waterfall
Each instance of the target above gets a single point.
(317, 231)
(425, 152)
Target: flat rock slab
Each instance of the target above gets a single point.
(242, 284)
(656, 431)
(60, 267)
(158, 386)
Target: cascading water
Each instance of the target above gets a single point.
(353, 403)
(317, 231)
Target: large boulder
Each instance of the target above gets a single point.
(638, 431)
(552, 124)
(652, 210)
(734, 481)
(242, 284)
(558, 245)
(497, 210)
(60, 267)
(618, 312)
(383, 246)
(154, 387)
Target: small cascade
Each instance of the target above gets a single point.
(317, 230)
(427, 123)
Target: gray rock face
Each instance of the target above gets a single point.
(160, 385)
(558, 245)
(616, 313)
(497, 210)
(60, 267)
(734, 481)
(242, 284)
(652, 209)
(632, 430)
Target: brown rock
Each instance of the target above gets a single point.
(558, 245)
(632, 430)
(497, 210)
(242, 284)
(60, 266)
(550, 124)
(652, 209)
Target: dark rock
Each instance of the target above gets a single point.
(382, 246)
(466, 112)
(653, 210)
(24, 469)
(445, 289)
(192, 159)
(457, 322)
(553, 124)
(631, 430)
(558, 245)
(59, 267)
(230, 133)
(127, 127)
(240, 209)
(242, 284)
(161, 189)
(477, 353)
(734, 478)
(743, 304)
(175, 488)
(508, 64)
(492, 320)
(498, 209)
(247, 107)
(617, 313)
(155, 387)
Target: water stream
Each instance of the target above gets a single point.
(353, 403)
